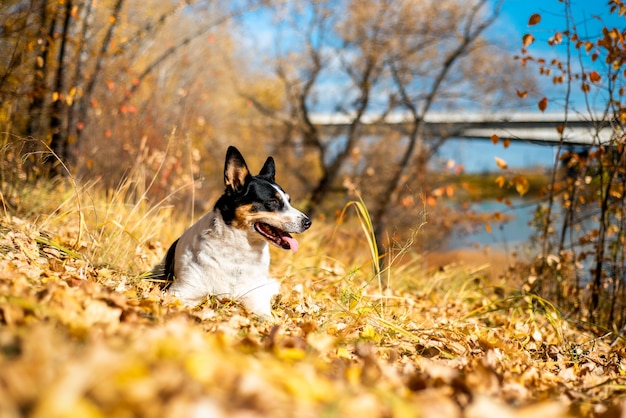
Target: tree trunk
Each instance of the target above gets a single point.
(58, 143)
(91, 83)
(35, 129)
(78, 106)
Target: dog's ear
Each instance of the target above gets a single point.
(236, 172)
(269, 170)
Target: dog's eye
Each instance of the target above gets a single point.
(273, 204)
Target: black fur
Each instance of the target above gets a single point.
(168, 265)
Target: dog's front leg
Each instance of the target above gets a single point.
(259, 299)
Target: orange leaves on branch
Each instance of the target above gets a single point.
(520, 182)
(521, 94)
(505, 143)
(534, 19)
(527, 40)
(543, 104)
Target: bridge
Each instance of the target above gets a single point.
(521, 126)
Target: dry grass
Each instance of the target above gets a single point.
(348, 339)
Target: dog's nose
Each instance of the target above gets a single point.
(306, 223)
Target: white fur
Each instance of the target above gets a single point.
(213, 258)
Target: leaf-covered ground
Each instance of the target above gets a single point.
(78, 339)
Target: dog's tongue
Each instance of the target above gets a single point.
(293, 243)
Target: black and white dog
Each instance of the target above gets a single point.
(225, 253)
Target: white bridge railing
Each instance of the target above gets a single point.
(522, 126)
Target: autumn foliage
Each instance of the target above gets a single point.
(114, 116)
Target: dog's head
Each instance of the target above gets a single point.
(258, 203)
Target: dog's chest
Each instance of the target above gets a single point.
(230, 253)
(214, 258)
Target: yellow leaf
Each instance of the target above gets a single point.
(342, 352)
(488, 228)
(521, 185)
(290, 353)
(353, 375)
(369, 333)
(500, 181)
(501, 163)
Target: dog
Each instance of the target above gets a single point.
(226, 252)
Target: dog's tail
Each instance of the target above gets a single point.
(163, 273)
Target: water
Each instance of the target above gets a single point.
(478, 156)
(507, 235)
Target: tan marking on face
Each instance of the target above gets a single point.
(245, 217)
